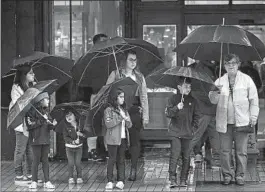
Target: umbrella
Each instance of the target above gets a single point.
(99, 102)
(82, 108)
(205, 42)
(45, 67)
(23, 104)
(93, 69)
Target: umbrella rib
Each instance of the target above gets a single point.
(55, 68)
(197, 49)
(257, 52)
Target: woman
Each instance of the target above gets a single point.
(237, 107)
(23, 80)
(139, 112)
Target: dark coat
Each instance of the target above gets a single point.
(185, 121)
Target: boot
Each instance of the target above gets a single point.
(132, 175)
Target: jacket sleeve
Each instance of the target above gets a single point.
(34, 121)
(196, 116)
(214, 98)
(15, 95)
(253, 100)
(66, 137)
(128, 123)
(144, 100)
(171, 108)
(110, 119)
(111, 77)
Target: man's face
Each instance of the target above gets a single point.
(103, 38)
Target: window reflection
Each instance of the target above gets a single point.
(206, 2)
(248, 2)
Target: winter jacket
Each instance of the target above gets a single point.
(245, 101)
(183, 122)
(142, 90)
(113, 125)
(39, 129)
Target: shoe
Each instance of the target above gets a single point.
(89, 156)
(183, 183)
(49, 185)
(120, 185)
(33, 185)
(109, 186)
(71, 181)
(198, 158)
(132, 175)
(173, 183)
(79, 180)
(95, 156)
(27, 178)
(240, 182)
(227, 181)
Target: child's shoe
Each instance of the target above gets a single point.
(71, 181)
(198, 158)
(49, 185)
(109, 186)
(120, 185)
(173, 184)
(33, 185)
(183, 183)
(79, 180)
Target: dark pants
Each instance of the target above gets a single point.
(40, 153)
(226, 141)
(116, 155)
(206, 129)
(179, 146)
(101, 149)
(135, 146)
(22, 148)
(74, 156)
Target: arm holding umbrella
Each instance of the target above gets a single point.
(172, 108)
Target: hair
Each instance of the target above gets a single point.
(20, 77)
(114, 96)
(231, 56)
(183, 80)
(97, 37)
(76, 114)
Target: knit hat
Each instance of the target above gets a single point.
(40, 97)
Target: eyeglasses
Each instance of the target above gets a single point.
(132, 60)
(232, 63)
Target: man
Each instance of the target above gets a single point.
(96, 146)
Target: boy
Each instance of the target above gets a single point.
(183, 112)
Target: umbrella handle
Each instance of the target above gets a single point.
(40, 113)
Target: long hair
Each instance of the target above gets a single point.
(113, 98)
(20, 77)
(76, 114)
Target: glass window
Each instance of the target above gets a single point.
(248, 2)
(87, 19)
(206, 2)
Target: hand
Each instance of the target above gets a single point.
(252, 122)
(77, 141)
(45, 116)
(80, 134)
(140, 109)
(180, 106)
(145, 122)
(220, 88)
(54, 122)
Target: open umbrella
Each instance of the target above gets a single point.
(99, 102)
(23, 104)
(82, 108)
(45, 67)
(94, 67)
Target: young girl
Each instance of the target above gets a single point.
(116, 120)
(73, 138)
(39, 126)
(23, 80)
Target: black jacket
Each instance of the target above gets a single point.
(39, 129)
(185, 121)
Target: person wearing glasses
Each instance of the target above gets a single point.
(139, 112)
(237, 110)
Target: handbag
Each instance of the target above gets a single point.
(246, 129)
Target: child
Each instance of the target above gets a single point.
(73, 138)
(182, 111)
(116, 120)
(39, 126)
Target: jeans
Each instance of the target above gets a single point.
(135, 145)
(22, 148)
(179, 146)
(101, 150)
(40, 153)
(226, 140)
(206, 128)
(116, 155)
(74, 156)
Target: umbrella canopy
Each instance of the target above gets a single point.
(93, 69)
(82, 108)
(99, 102)
(204, 43)
(45, 67)
(170, 77)
(23, 104)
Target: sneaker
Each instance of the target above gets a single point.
(109, 186)
(173, 184)
(49, 185)
(79, 180)
(33, 185)
(71, 181)
(120, 185)
(27, 178)
(198, 158)
(19, 178)
(89, 156)
(227, 181)
(183, 183)
(240, 181)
